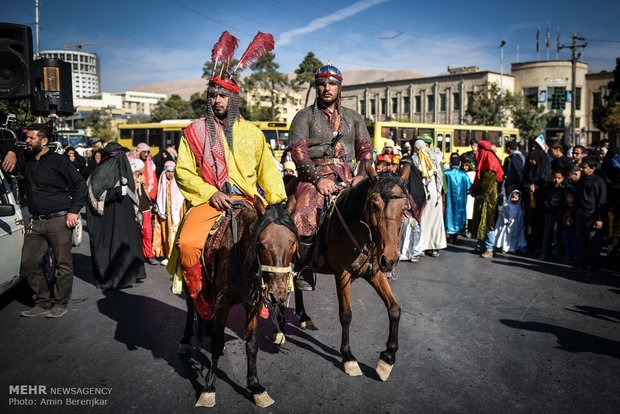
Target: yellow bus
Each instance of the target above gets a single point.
(169, 132)
(448, 138)
(156, 135)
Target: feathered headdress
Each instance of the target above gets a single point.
(223, 51)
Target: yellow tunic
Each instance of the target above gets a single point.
(252, 163)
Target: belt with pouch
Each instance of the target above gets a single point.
(49, 216)
(327, 161)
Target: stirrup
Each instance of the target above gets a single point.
(305, 279)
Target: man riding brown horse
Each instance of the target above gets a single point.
(325, 139)
(222, 157)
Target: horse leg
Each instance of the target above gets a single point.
(304, 319)
(185, 346)
(388, 357)
(207, 397)
(279, 338)
(261, 398)
(343, 289)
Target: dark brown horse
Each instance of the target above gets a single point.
(254, 268)
(359, 239)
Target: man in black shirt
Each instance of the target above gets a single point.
(560, 161)
(513, 167)
(56, 192)
(591, 204)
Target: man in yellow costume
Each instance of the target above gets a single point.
(222, 157)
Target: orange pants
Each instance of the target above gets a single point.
(196, 227)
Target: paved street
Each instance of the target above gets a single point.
(507, 335)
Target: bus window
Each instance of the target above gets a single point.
(447, 143)
(126, 133)
(478, 135)
(461, 137)
(429, 131)
(440, 142)
(155, 137)
(139, 135)
(406, 134)
(495, 138)
(385, 132)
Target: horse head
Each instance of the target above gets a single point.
(386, 203)
(275, 237)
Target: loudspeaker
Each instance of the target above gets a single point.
(15, 61)
(53, 92)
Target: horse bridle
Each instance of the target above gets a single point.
(369, 252)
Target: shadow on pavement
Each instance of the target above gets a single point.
(569, 339)
(598, 313)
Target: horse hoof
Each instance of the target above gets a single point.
(207, 399)
(184, 349)
(263, 399)
(308, 325)
(352, 368)
(280, 339)
(383, 370)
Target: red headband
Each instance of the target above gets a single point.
(228, 84)
(328, 75)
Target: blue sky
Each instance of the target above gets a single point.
(171, 39)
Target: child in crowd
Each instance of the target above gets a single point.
(552, 199)
(567, 226)
(510, 236)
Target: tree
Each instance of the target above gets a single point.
(529, 118)
(99, 124)
(488, 106)
(602, 110)
(306, 71)
(207, 68)
(21, 110)
(173, 108)
(612, 121)
(266, 77)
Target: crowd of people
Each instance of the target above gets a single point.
(541, 203)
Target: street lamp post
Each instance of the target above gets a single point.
(501, 66)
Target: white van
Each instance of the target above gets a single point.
(12, 232)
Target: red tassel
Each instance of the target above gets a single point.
(224, 49)
(260, 45)
(264, 312)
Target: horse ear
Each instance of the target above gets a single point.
(291, 203)
(404, 172)
(259, 206)
(370, 171)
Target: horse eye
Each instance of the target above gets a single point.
(261, 246)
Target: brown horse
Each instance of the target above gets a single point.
(254, 268)
(359, 239)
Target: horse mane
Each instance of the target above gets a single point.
(353, 198)
(274, 213)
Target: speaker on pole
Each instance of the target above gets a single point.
(15, 61)
(53, 93)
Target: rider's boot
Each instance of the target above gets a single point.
(304, 277)
(193, 280)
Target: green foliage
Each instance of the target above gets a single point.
(173, 108)
(207, 68)
(488, 106)
(265, 76)
(602, 111)
(98, 124)
(530, 119)
(612, 121)
(21, 110)
(306, 71)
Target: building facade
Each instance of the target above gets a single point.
(85, 70)
(128, 104)
(443, 99)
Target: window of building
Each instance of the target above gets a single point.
(394, 105)
(418, 104)
(442, 102)
(578, 99)
(597, 99)
(373, 107)
(456, 101)
(556, 97)
(383, 106)
(430, 103)
(406, 105)
(531, 96)
(363, 107)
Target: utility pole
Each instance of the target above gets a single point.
(36, 22)
(574, 58)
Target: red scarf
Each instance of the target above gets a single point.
(487, 160)
(212, 159)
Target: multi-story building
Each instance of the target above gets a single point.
(444, 98)
(85, 70)
(128, 104)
